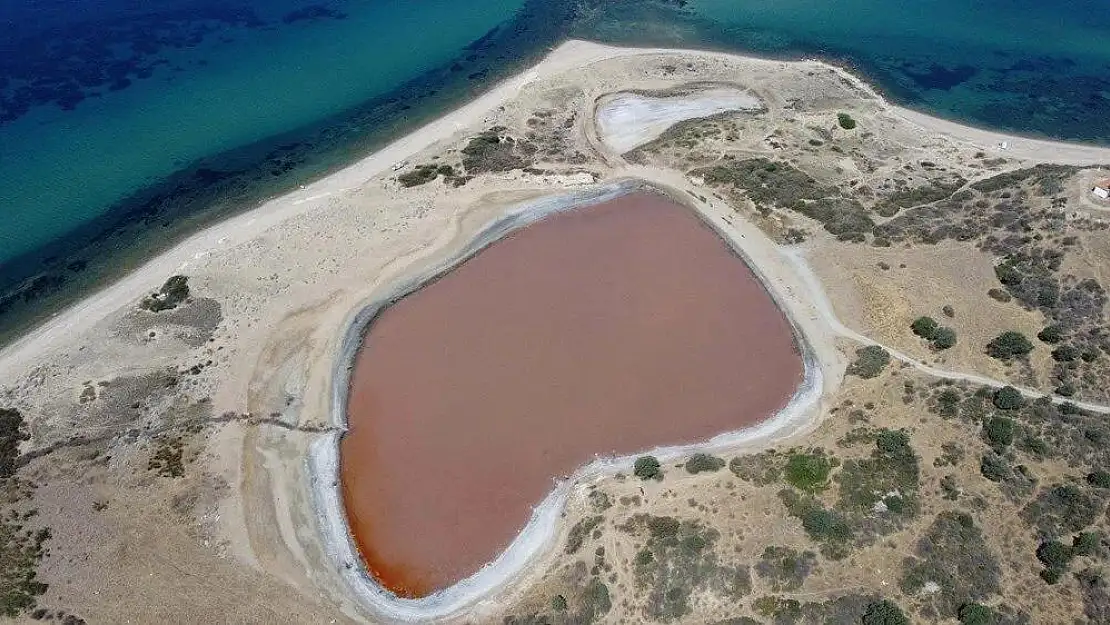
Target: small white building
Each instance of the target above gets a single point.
(1101, 189)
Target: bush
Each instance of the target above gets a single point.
(944, 338)
(1055, 555)
(885, 612)
(975, 614)
(1065, 353)
(954, 555)
(1009, 345)
(994, 467)
(785, 568)
(845, 120)
(647, 468)
(808, 472)
(925, 327)
(491, 151)
(1099, 478)
(12, 433)
(892, 468)
(702, 463)
(581, 530)
(422, 174)
(1000, 432)
(1051, 334)
(870, 362)
(173, 292)
(1086, 543)
(1008, 398)
(1063, 509)
(823, 524)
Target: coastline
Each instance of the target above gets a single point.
(232, 239)
(569, 55)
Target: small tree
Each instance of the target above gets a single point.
(1099, 478)
(647, 468)
(1051, 334)
(1086, 543)
(703, 463)
(925, 327)
(870, 361)
(1000, 432)
(1008, 398)
(944, 338)
(808, 472)
(845, 120)
(885, 612)
(975, 614)
(1009, 345)
(1055, 555)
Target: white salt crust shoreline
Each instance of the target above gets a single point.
(540, 533)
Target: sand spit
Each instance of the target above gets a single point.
(572, 55)
(541, 531)
(629, 120)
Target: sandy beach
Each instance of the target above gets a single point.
(293, 280)
(570, 55)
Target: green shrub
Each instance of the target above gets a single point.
(870, 362)
(12, 433)
(994, 467)
(892, 467)
(954, 555)
(596, 600)
(1099, 478)
(845, 120)
(1055, 555)
(1051, 576)
(1086, 543)
(704, 463)
(422, 174)
(1008, 398)
(21, 551)
(925, 327)
(1063, 509)
(999, 432)
(1009, 345)
(785, 568)
(976, 614)
(1065, 353)
(173, 292)
(823, 524)
(808, 472)
(581, 530)
(491, 151)
(767, 183)
(827, 527)
(1051, 334)
(647, 468)
(885, 612)
(944, 338)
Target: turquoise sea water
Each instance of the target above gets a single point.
(123, 124)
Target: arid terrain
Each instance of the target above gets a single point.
(154, 439)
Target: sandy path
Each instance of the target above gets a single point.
(821, 301)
